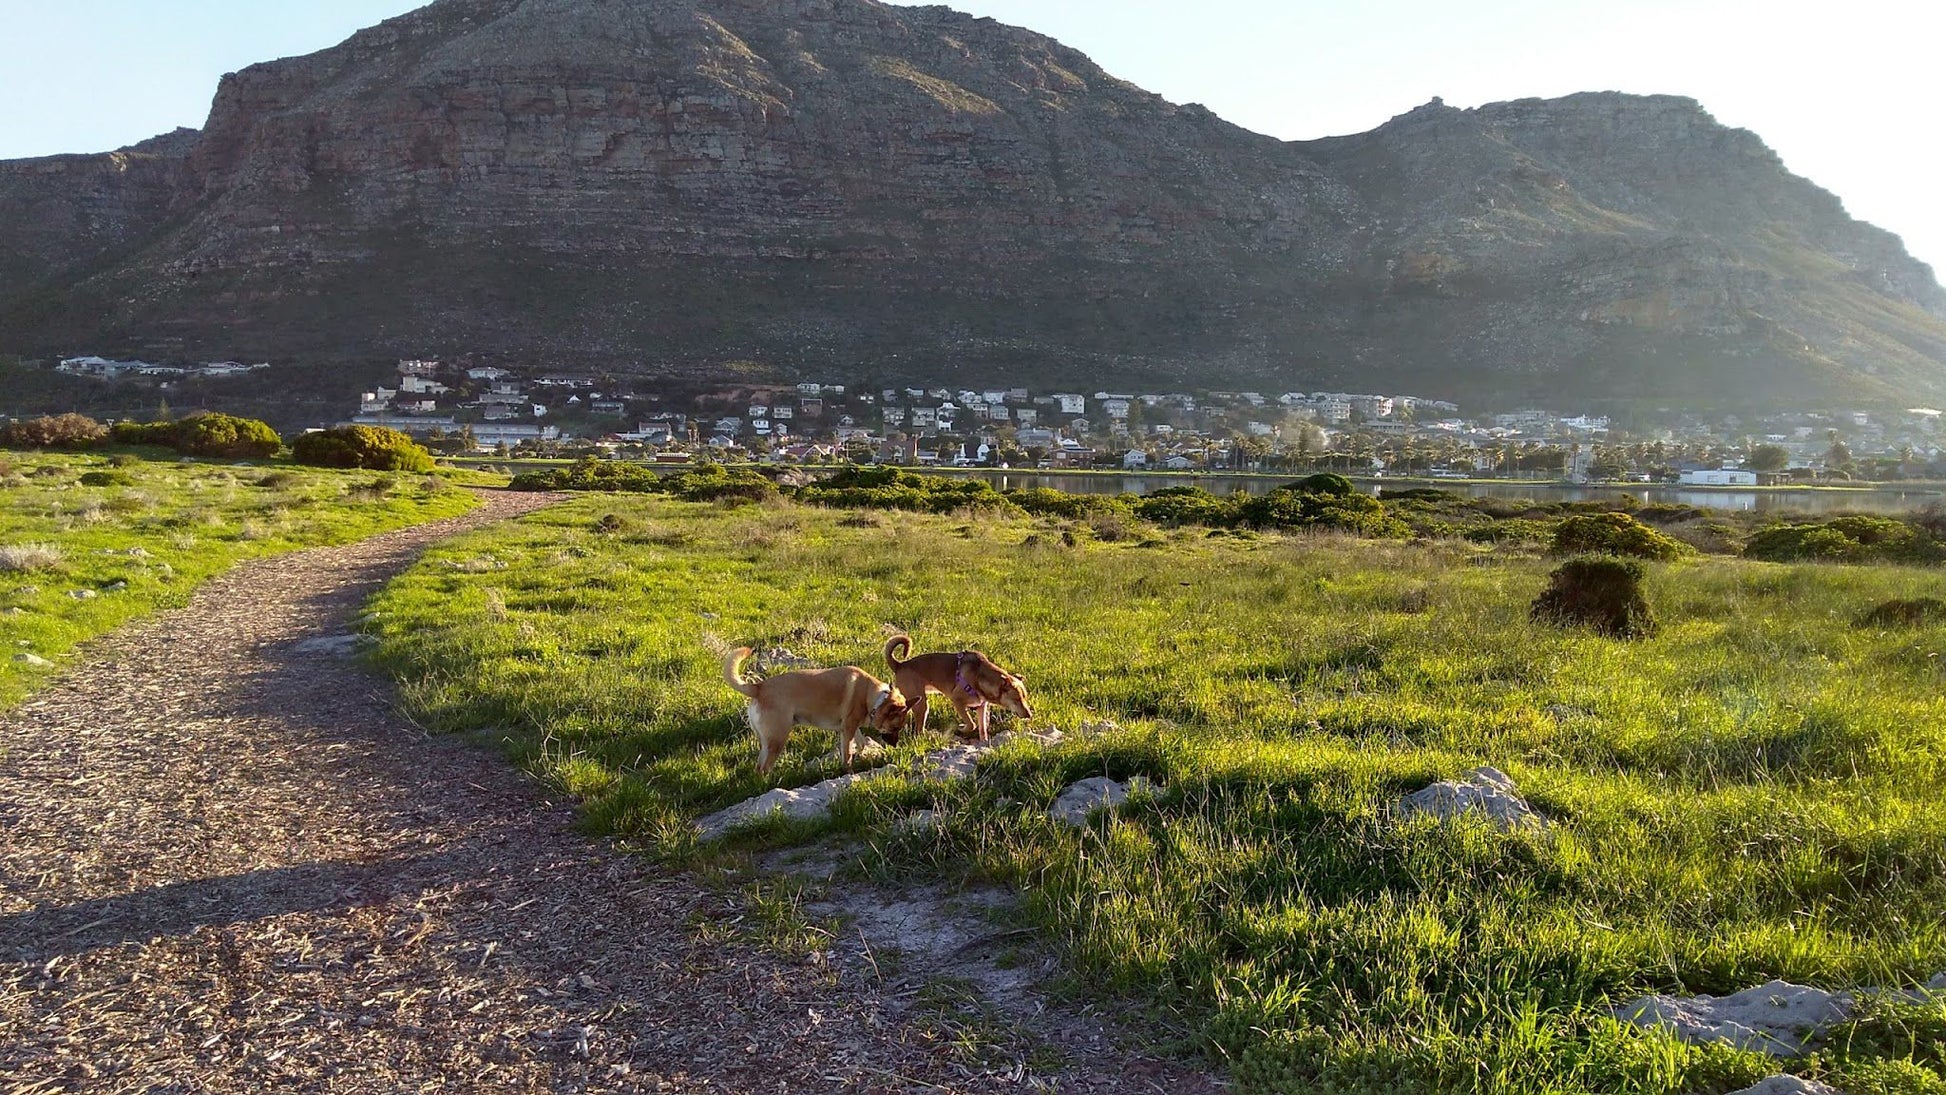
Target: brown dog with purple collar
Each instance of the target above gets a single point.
(968, 678)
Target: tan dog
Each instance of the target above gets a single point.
(969, 679)
(829, 699)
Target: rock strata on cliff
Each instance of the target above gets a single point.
(838, 183)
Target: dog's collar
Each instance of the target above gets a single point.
(879, 701)
(966, 684)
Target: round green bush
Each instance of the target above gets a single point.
(105, 479)
(1614, 534)
(373, 448)
(1324, 482)
(223, 436)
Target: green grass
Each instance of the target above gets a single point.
(1750, 793)
(157, 530)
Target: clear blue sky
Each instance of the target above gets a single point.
(1848, 92)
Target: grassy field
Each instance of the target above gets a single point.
(1754, 792)
(86, 546)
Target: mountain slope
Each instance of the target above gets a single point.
(820, 184)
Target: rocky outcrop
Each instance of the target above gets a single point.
(812, 184)
(1484, 792)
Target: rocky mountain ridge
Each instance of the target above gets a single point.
(819, 185)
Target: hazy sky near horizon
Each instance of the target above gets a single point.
(1848, 93)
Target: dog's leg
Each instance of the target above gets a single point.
(985, 716)
(966, 720)
(916, 715)
(770, 742)
(847, 740)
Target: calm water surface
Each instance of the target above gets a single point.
(1782, 500)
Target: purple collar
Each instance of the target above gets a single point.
(966, 685)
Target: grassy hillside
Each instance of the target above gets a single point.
(1751, 793)
(86, 546)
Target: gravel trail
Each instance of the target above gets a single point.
(228, 864)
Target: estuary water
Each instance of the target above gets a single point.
(1767, 499)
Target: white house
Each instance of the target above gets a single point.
(417, 384)
(1073, 404)
(1135, 458)
(1718, 477)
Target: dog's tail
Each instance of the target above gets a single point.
(897, 642)
(733, 671)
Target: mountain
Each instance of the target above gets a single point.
(822, 186)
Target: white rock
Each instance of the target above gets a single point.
(331, 646)
(796, 804)
(83, 594)
(954, 762)
(1788, 1085)
(34, 660)
(1777, 1018)
(1938, 982)
(1486, 791)
(1089, 795)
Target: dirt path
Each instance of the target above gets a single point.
(228, 865)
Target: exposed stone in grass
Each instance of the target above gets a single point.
(1485, 791)
(1099, 793)
(1599, 593)
(813, 802)
(34, 660)
(1777, 1017)
(83, 594)
(1788, 1085)
(1904, 613)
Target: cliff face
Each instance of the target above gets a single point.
(837, 183)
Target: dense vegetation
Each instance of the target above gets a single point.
(1747, 792)
(217, 435)
(374, 448)
(60, 431)
(87, 543)
(707, 483)
(1324, 502)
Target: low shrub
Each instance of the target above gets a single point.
(1292, 509)
(1048, 502)
(895, 488)
(61, 431)
(709, 483)
(716, 483)
(1416, 494)
(1323, 483)
(1857, 539)
(373, 448)
(1904, 613)
(1614, 534)
(1669, 513)
(222, 436)
(1512, 530)
(124, 460)
(106, 479)
(1189, 506)
(26, 558)
(1597, 592)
